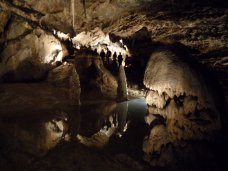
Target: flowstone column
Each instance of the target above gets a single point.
(122, 93)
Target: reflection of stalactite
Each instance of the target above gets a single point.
(84, 6)
(122, 85)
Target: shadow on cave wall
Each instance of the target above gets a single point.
(178, 6)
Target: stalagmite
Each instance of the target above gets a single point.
(122, 85)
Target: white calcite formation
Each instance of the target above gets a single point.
(122, 93)
(177, 96)
(97, 39)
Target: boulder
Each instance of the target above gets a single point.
(29, 57)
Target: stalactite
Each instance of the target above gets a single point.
(72, 10)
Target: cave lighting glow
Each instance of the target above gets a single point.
(61, 35)
(53, 52)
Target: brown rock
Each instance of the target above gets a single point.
(65, 76)
(169, 74)
(30, 57)
(95, 78)
(4, 17)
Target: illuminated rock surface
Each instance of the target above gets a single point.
(30, 56)
(122, 93)
(58, 97)
(180, 97)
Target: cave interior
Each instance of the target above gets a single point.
(91, 85)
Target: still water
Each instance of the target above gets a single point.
(107, 125)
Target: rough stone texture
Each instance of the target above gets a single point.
(4, 17)
(185, 113)
(179, 97)
(166, 73)
(56, 13)
(42, 6)
(154, 99)
(101, 13)
(30, 56)
(199, 27)
(65, 76)
(17, 28)
(95, 77)
(97, 39)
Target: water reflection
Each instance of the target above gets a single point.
(27, 138)
(121, 117)
(113, 120)
(23, 141)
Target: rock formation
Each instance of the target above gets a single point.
(178, 95)
(28, 54)
(122, 93)
(41, 72)
(95, 77)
